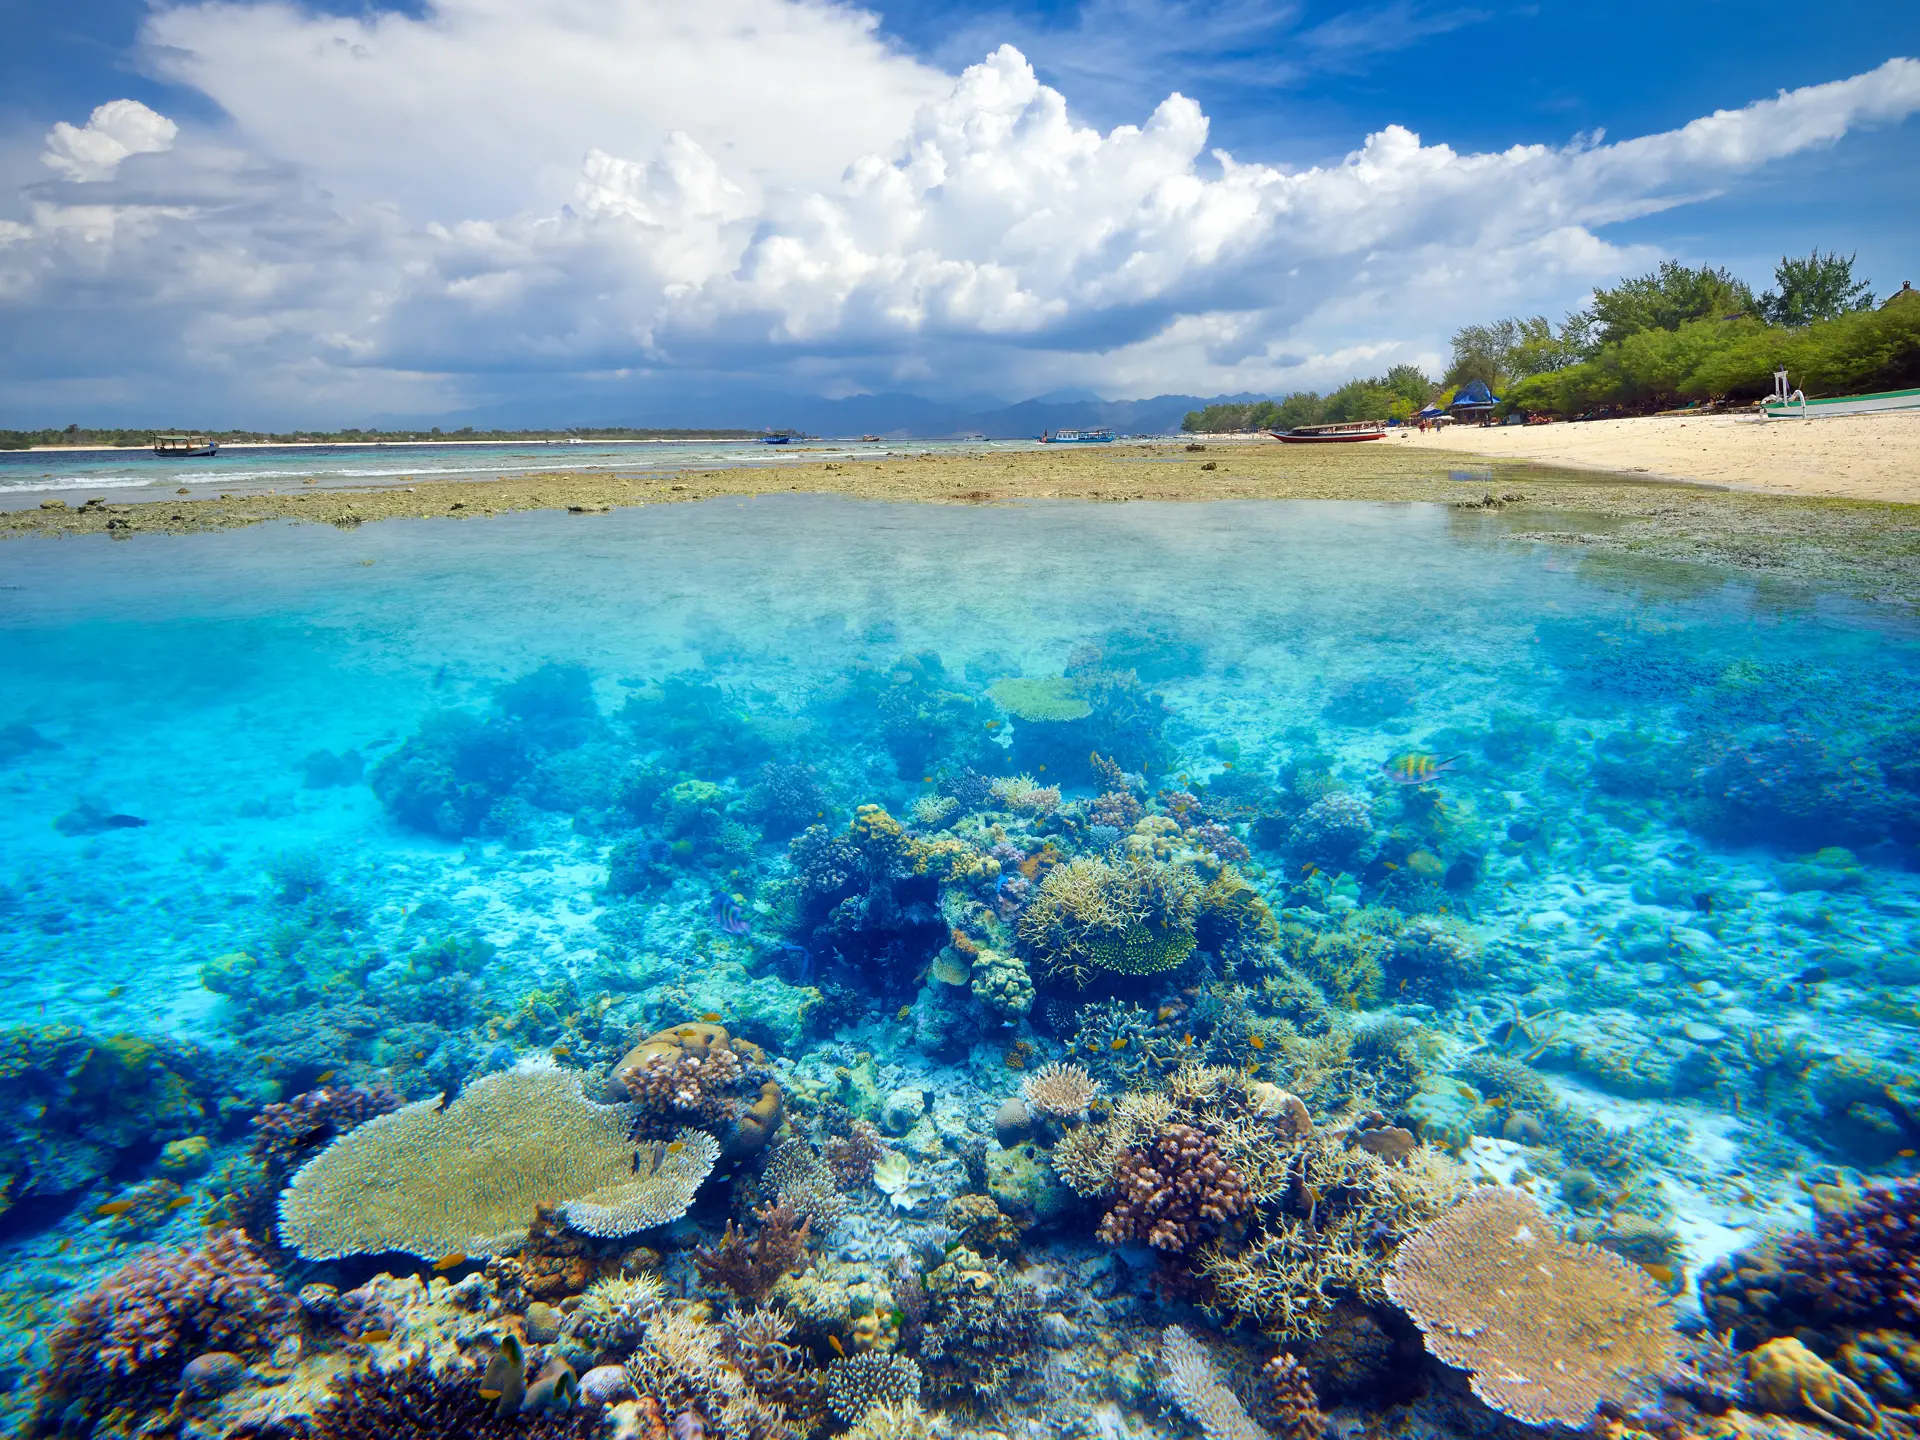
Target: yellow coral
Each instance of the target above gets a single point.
(433, 1182)
(1043, 699)
(1135, 917)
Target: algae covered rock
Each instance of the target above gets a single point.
(1022, 1183)
(1001, 983)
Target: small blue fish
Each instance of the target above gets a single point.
(796, 967)
(726, 915)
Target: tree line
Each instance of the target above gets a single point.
(1676, 335)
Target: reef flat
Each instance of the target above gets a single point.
(803, 966)
(1864, 547)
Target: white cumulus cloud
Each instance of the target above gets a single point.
(114, 131)
(501, 194)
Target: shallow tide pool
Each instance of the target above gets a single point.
(1591, 878)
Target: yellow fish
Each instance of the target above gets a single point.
(114, 1207)
(712, 1017)
(838, 1348)
(1256, 1042)
(1119, 1044)
(376, 1337)
(451, 1262)
(1415, 768)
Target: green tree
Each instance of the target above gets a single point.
(1360, 400)
(1666, 300)
(1820, 287)
(1411, 384)
(1302, 407)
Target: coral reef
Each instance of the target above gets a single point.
(1173, 1191)
(129, 1339)
(1134, 917)
(698, 1074)
(1060, 1092)
(751, 1268)
(1549, 1330)
(1189, 1378)
(464, 1180)
(857, 1384)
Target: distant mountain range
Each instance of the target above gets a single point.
(896, 416)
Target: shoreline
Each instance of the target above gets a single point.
(1870, 548)
(1872, 457)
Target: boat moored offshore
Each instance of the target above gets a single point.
(182, 447)
(1101, 436)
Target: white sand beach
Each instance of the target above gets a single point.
(1857, 457)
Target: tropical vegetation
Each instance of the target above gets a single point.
(1674, 336)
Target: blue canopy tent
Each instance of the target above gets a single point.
(1474, 401)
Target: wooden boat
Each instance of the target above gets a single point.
(1342, 432)
(1077, 437)
(776, 439)
(1800, 408)
(869, 439)
(183, 447)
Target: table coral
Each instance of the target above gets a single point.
(1550, 1330)
(465, 1179)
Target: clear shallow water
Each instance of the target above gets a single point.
(135, 474)
(1666, 864)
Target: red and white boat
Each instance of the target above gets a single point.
(1344, 431)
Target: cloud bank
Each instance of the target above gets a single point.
(656, 198)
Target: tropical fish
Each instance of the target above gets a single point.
(1256, 1042)
(726, 915)
(376, 1337)
(1904, 1154)
(1119, 1044)
(113, 1207)
(838, 1348)
(1416, 768)
(451, 1262)
(712, 1017)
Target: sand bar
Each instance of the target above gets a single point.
(1871, 549)
(1855, 457)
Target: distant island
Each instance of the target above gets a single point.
(80, 437)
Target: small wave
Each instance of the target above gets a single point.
(78, 482)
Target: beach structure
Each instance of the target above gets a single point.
(1474, 401)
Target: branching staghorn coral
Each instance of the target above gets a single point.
(433, 1182)
(857, 1384)
(751, 1268)
(796, 1176)
(1060, 1092)
(1130, 917)
(1550, 1329)
(684, 1363)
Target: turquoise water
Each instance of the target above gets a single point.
(26, 477)
(1643, 941)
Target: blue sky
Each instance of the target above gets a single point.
(316, 214)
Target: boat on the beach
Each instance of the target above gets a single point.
(1340, 432)
(182, 447)
(1077, 437)
(869, 439)
(776, 439)
(1801, 408)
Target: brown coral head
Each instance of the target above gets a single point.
(1550, 1329)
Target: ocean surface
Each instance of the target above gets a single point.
(1592, 877)
(26, 476)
